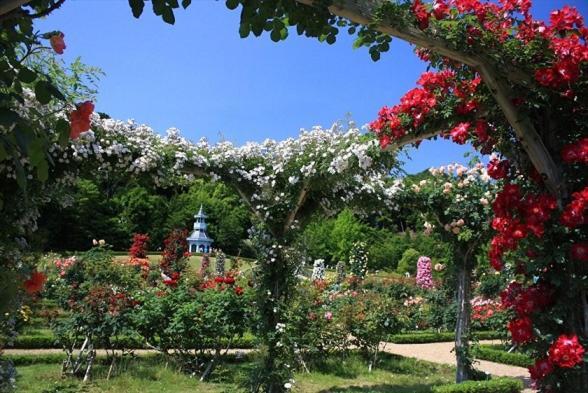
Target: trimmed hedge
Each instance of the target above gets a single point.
(433, 337)
(499, 385)
(26, 360)
(499, 355)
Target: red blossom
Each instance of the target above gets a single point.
(576, 152)
(35, 283)
(57, 43)
(566, 351)
(421, 14)
(498, 169)
(579, 252)
(238, 290)
(440, 9)
(541, 369)
(521, 330)
(459, 133)
(575, 213)
(80, 119)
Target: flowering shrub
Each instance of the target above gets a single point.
(96, 294)
(188, 321)
(174, 257)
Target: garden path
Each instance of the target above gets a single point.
(443, 353)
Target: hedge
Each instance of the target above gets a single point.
(45, 340)
(498, 385)
(433, 337)
(499, 355)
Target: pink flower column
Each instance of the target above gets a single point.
(424, 277)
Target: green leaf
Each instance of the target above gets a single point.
(168, 16)
(8, 117)
(3, 152)
(232, 4)
(36, 151)
(26, 75)
(137, 7)
(375, 55)
(42, 92)
(244, 30)
(331, 38)
(62, 127)
(186, 3)
(275, 35)
(43, 170)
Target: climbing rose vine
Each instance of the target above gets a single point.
(530, 109)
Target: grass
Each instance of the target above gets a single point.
(151, 375)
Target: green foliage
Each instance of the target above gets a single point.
(499, 385)
(408, 262)
(347, 230)
(498, 354)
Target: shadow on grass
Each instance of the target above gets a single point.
(381, 388)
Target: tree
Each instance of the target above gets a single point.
(455, 204)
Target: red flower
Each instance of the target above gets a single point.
(498, 169)
(566, 351)
(219, 280)
(421, 14)
(35, 283)
(440, 9)
(80, 119)
(57, 43)
(541, 369)
(521, 330)
(576, 212)
(576, 152)
(238, 290)
(580, 252)
(229, 280)
(459, 133)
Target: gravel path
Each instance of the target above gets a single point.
(442, 353)
(434, 352)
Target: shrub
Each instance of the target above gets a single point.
(499, 355)
(408, 262)
(499, 385)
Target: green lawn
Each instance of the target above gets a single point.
(150, 375)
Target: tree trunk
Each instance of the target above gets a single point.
(462, 328)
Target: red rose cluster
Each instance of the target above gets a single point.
(393, 123)
(576, 152)
(576, 212)
(139, 247)
(220, 283)
(35, 283)
(515, 217)
(79, 119)
(524, 301)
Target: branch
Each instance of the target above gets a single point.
(413, 138)
(301, 199)
(523, 127)
(7, 6)
(47, 11)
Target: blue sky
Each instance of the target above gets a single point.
(201, 77)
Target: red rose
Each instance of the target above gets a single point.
(35, 283)
(421, 14)
(566, 351)
(57, 43)
(580, 252)
(521, 330)
(541, 369)
(219, 280)
(498, 169)
(238, 290)
(229, 280)
(80, 119)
